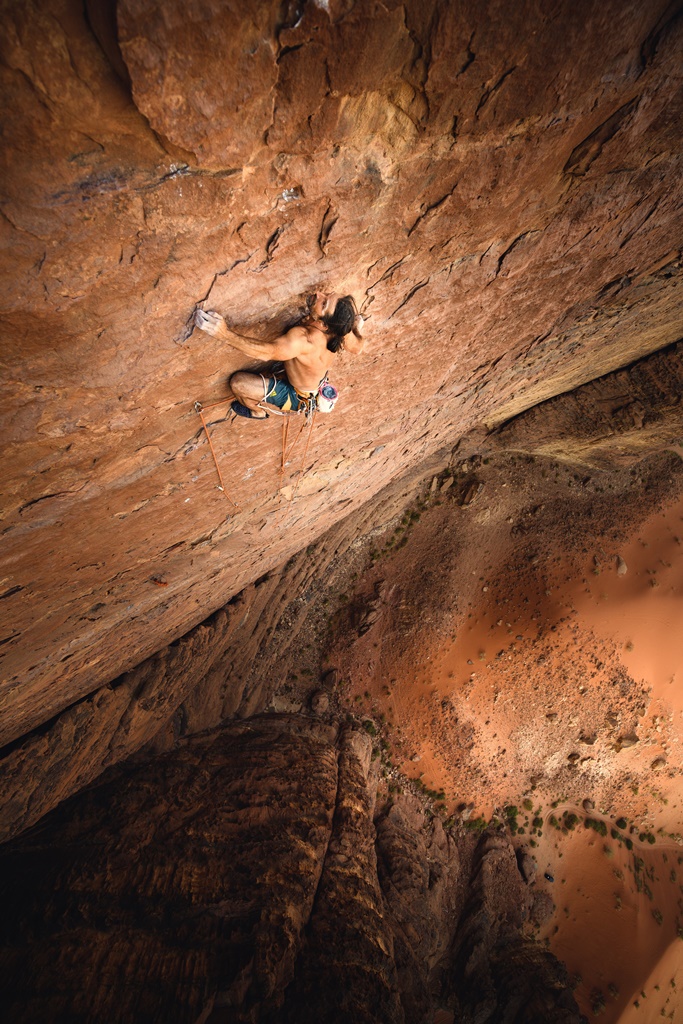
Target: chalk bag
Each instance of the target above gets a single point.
(327, 396)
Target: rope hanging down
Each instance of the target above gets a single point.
(200, 409)
(309, 418)
(303, 461)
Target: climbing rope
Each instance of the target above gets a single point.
(285, 434)
(287, 452)
(311, 420)
(309, 410)
(200, 409)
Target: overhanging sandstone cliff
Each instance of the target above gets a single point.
(501, 188)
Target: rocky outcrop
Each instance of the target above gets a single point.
(500, 187)
(241, 878)
(499, 975)
(419, 870)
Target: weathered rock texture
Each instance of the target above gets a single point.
(232, 664)
(500, 185)
(228, 666)
(242, 878)
(501, 975)
(615, 419)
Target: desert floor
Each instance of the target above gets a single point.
(524, 658)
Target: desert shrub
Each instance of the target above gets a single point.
(598, 1002)
(476, 824)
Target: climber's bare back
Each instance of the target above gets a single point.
(305, 371)
(307, 350)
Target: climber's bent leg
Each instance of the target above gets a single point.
(248, 389)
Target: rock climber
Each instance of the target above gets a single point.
(332, 325)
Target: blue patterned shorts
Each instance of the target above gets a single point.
(283, 394)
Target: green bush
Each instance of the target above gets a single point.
(475, 824)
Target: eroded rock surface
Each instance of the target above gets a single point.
(615, 419)
(241, 878)
(499, 974)
(228, 666)
(501, 187)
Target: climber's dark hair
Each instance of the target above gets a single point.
(340, 323)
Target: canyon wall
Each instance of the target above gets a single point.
(232, 663)
(228, 666)
(500, 187)
(242, 878)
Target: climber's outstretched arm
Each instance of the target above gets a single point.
(288, 346)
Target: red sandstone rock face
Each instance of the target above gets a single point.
(228, 666)
(232, 663)
(500, 187)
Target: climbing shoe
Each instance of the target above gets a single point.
(242, 410)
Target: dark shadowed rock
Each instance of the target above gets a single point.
(241, 878)
(498, 974)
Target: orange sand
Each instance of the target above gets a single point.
(609, 931)
(568, 659)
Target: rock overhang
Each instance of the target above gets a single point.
(502, 194)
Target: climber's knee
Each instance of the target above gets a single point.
(246, 385)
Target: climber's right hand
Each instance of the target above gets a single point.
(211, 322)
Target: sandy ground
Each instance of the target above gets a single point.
(525, 651)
